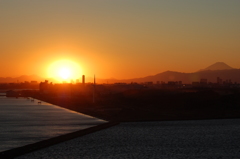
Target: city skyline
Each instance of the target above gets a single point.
(120, 39)
(212, 74)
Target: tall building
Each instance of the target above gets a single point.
(94, 89)
(203, 81)
(83, 79)
(219, 80)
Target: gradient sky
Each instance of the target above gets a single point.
(118, 38)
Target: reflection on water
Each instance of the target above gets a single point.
(194, 139)
(23, 121)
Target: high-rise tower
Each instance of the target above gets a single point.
(83, 79)
(94, 87)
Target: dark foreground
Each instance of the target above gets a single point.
(159, 139)
(154, 105)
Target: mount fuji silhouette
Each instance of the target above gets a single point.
(218, 66)
(219, 69)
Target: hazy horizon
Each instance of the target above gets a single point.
(117, 38)
(218, 66)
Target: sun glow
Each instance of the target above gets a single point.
(65, 73)
(64, 70)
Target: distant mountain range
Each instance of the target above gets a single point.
(219, 69)
(21, 79)
(218, 66)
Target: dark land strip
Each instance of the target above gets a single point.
(154, 105)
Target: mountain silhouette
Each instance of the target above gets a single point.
(188, 78)
(20, 79)
(218, 66)
(211, 73)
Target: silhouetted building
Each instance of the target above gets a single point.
(83, 79)
(43, 86)
(174, 83)
(219, 80)
(34, 82)
(149, 83)
(203, 81)
(195, 84)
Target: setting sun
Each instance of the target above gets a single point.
(65, 73)
(64, 70)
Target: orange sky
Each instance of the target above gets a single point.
(118, 38)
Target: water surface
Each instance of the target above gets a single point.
(23, 122)
(193, 139)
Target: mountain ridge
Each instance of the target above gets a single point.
(212, 72)
(21, 79)
(186, 78)
(218, 66)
